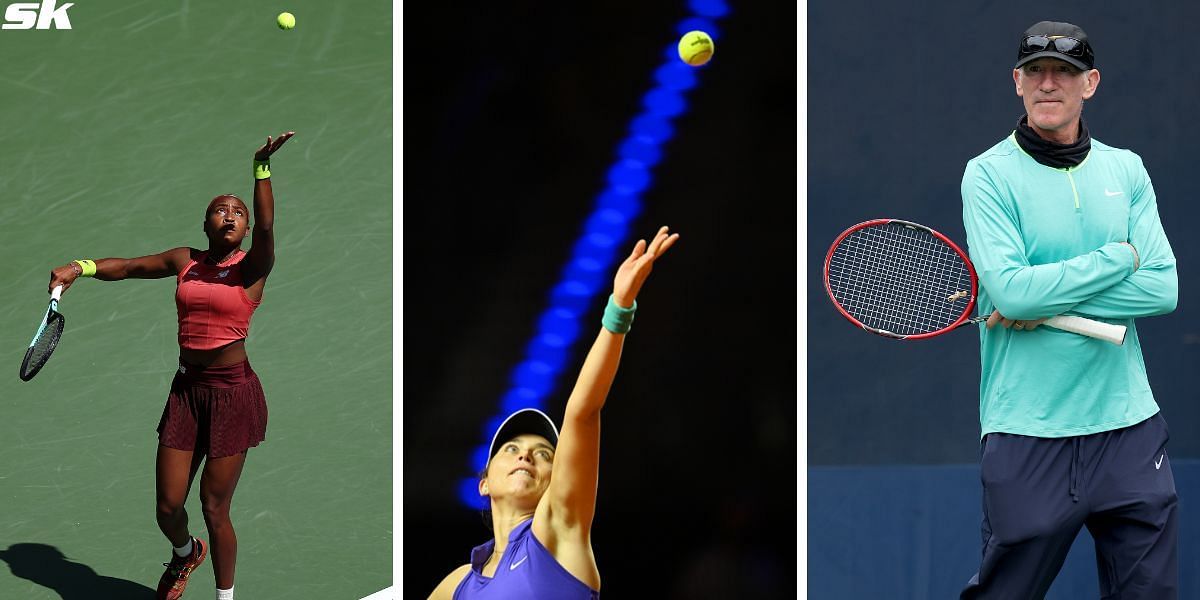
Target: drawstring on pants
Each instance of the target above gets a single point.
(1075, 468)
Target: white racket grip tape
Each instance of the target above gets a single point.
(1102, 331)
(56, 294)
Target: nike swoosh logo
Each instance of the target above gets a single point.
(1157, 464)
(1110, 194)
(518, 563)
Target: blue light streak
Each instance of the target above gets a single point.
(587, 272)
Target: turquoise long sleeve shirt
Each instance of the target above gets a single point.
(1045, 242)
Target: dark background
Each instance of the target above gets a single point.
(900, 97)
(512, 115)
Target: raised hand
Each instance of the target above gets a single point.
(266, 150)
(633, 272)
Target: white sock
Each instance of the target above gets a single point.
(185, 549)
(225, 594)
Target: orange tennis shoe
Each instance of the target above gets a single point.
(174, 580)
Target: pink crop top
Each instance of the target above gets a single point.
(214, 309)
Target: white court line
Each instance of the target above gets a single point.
(380, 595)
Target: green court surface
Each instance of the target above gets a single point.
(113, 138)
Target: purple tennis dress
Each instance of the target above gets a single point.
(527, 571)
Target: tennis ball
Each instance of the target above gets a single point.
(696, 48)
(286, 20)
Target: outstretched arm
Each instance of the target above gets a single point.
(571, 498)
(155, 266)
(261, 257)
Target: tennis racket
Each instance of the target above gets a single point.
(906, 281)
(45, 340)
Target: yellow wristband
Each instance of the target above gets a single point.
(262, 169)
(88, 266)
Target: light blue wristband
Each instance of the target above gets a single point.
(617, 319)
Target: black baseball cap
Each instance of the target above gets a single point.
(1063, 41)
(526, 420)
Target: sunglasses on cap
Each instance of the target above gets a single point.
(1067, 46)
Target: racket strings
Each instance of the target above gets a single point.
(899, 279)
(43, 345)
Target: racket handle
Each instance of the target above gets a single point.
(1096, 329)
(56, 294)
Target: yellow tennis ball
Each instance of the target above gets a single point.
(286, 20)
(696, 48)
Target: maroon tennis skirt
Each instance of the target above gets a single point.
(218, 411)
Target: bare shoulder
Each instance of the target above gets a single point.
(445, 589)
(178, 258)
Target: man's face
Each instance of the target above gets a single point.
(1053, 92)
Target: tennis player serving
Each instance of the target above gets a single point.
(1058, 222)
(216, 409)
(541, 484)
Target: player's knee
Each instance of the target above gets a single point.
(168, 509)
(215, 509)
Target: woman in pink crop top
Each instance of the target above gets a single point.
(216, 410)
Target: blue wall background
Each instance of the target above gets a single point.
(900, 96)
(912, 533)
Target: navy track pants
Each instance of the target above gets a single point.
(1039, 492)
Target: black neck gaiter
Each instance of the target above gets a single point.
(1059, 156)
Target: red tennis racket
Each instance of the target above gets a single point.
(906, 281)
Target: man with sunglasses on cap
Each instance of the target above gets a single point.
(1059, 223)
(541, 485)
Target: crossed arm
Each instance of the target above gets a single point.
(1122, 279)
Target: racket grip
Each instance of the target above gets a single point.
(1108, 332)
(56, 294)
